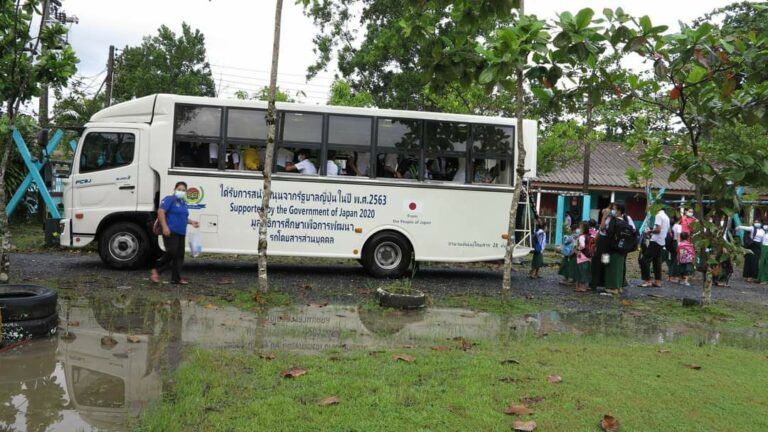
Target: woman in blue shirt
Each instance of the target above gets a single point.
(174, 218)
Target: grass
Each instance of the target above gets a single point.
(28, 237)
(458, 391)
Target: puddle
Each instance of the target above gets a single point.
(74, 382)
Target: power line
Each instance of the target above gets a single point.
(327, 75)
(238, 77)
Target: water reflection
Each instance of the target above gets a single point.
(76, 382)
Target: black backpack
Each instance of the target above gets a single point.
(670, 244)
(625, 238)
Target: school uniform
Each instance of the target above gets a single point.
(583, 271)
(752, 260)
(538, 252)
(762, 271)
(614, 270)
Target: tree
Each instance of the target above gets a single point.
(164, 63)
(558, 146)
(24, 67)
(263, 95)
(706, 78)
(268, 159)
(76, 108)
(342, 94)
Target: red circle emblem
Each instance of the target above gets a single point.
(412, 206)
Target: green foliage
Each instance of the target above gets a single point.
(263, 95)
(559, 146)
(77, 107)
(342, 94)
(164, 63)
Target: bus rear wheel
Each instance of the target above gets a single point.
(387, 255)
(124, 245)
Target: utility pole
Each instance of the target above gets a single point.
(43, 109)
(110, 73)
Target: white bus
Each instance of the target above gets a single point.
(380, 186)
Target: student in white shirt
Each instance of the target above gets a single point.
(753, 241)
(304, 166)
(653, 253)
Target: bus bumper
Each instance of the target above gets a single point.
(65, 237)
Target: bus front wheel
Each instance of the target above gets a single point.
(387, 255)
(124, 245)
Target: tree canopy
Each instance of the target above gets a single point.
(164, 63)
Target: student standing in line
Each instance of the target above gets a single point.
(597, 269)
(539, 244)
(762, 271)
(686, 255)
(173, 216)
(582, 258)
(754, 242)
(652, 254)
(673, 269)
(568, 264)
(615, 268)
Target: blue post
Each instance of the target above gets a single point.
(34, 173)
(586, 207)
(560, 220)
(73, 145)
(22, 190)
(736, 218)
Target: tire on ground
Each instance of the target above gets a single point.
(27, 302)
(124, 245)
(387, 255)
(14, 331)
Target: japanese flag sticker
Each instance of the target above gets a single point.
(412, 206)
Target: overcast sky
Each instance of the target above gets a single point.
(239, 34)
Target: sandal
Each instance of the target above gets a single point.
(646, 285)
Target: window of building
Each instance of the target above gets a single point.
(106, 150)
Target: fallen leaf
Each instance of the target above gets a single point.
(441, 348)
(609, 424)
(664, 351)
(330, 400)
(293, 373)
(108, 341)
(404, 357)
(524, 426)
(133, 339)
(693, 366)
(626, 303)
(73, 323)
(510, 361)
(555, 379)
(225, 281)
(519, 410)
(211, 306)
(532, 400)
(267, 356)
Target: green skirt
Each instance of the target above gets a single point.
(583, 273)
(568, 267)
(614, 272)
(762, 274)
(538, 261)
(684, 269)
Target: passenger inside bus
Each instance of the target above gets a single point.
(443, 168)
(393, 165)
(252, 159)
(194, 155)
(283, 156)
(331, 167)
(304, 165)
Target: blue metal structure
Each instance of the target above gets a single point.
(34, 167)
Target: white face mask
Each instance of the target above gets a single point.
(577, 232)
(180, 194)
(689, 214)
(613, 212)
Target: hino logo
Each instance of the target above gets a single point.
(83, 181)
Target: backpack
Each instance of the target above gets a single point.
(567, 246)
(685, 253)
(537, 246)
(590, 246)
(670, 244)
(625, 238)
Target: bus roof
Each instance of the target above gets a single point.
(145, 109)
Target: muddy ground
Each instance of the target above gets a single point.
(336, 281)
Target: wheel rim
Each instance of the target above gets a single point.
(123, 246)
(388, 255)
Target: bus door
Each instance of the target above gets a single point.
(105, 177)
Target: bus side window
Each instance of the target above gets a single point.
(349, 143)
(398, 148)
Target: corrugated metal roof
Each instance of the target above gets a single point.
(608, 168)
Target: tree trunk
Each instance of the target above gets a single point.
(519, 172)
(706, 284)
(268, 158)
(5, 229)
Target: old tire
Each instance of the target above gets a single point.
(387, 255)
(415, 300)
(26, 302)
(124, 245)
(14, 331)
